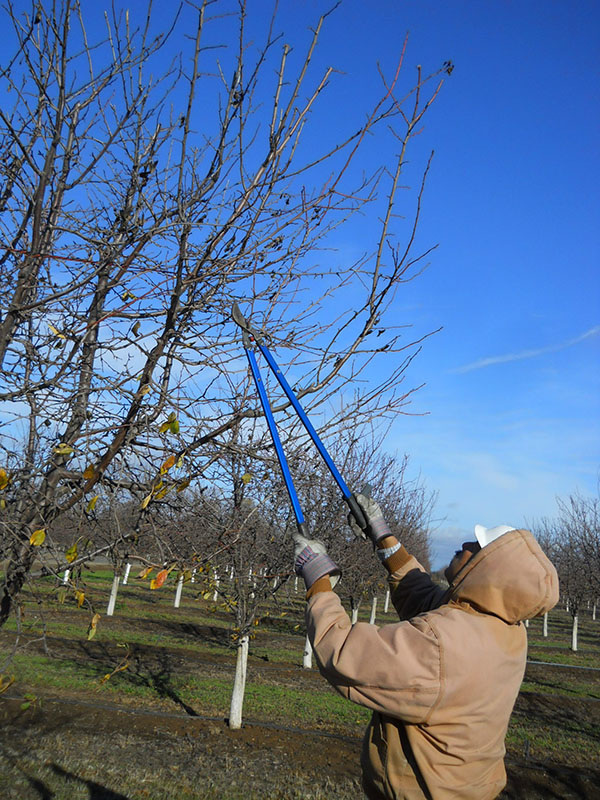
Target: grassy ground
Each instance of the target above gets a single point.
(177, 671)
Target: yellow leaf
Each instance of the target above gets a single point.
(37, 537)
(167, 465)
(296, 627)
(61, 594)
(80, 596)
(146, 500)
(183, 485)
(145, 572)
(89, 472)
(91, 505)
(56, 332)
(174, 426)
(153, 584)
(71, 553)
(172, 416)
(136, 328)
(63, 449)
(187, 575)
(164, 427)
(145, 389)
(92, 628)
(4, 479)
(162, 493)
(179, 464)
(127, 295)
(2, 504)
(247, 477)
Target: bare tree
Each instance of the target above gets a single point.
(144, 190)
(572, 541)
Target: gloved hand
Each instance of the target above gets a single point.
(377, 528)
(312, 561)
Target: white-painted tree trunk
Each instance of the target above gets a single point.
(594, 612)
(216, 592)
(386, 604)
(66, 574)
(178, 591)
(113, 596)
(126, 573)
(193, 578)
(526, 623)
(307, 657)
(545, 626)
(354, 617)
(296, 584)
(239, 685)
(567, 606)
(373, 610)
(574, 633)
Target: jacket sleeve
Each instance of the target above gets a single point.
(411, 589)
(394, 669)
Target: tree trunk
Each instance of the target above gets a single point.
(307, 658)
(594, 612)
(16, 573)
(126, 574)
(386, 604)
(354, 617)
(66, 574)
(545, 627)
(526, 623)
(178, 591)
(373, 610)
(113, 596)
(239, 685)
(574, 633)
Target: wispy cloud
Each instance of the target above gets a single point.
(524, 354)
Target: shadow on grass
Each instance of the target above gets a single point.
(38, 786)
(146, 667)
(96, 790)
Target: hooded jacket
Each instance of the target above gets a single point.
(443, 681)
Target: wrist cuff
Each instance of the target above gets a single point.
(316, 567)
(379, 529)
(384, 553)
(321, 585)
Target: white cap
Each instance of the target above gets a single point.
(487, 535)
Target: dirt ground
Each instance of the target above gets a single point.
(65, 737)
(76, 747)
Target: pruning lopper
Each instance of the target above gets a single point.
(251, 338)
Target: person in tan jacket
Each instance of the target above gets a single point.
(441, 682)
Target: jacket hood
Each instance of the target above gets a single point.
(511, 578)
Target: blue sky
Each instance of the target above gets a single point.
(509, 417)
(511, 406)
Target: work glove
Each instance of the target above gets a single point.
(312, 561)
(377, 528)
